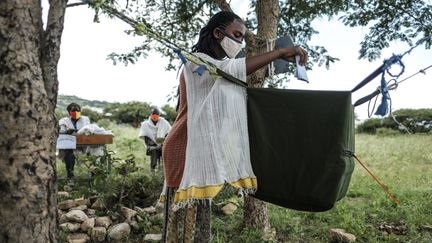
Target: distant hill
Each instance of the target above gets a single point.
(64, 100)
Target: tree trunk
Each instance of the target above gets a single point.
(255, 211)
(28, 208)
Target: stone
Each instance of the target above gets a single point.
(98, 234)
(128, 213)
(159, 207)
(66, 205)
(78, 238)
(229, 209)
(98, 205)
(150, 210)
(153, 237)
(138, 209)
(90, 212)
(134, 224)
(63, 219)
(82, 201)
(88, 225)
(80, 207)
(62, 194)
(103, 221)
(119, 231)
(76, 216)
(339, 235)
(398, 228)
(71, 227)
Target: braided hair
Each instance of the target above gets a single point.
(207, 43)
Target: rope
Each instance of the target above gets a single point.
(383, 108)
(376, 179)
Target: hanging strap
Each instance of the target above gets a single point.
(369, 78)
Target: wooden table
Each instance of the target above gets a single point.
(94, 139)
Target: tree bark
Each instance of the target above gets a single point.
(28, 208)
(255, 211)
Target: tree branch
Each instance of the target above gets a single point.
(76, 4)
(222, 4)
(50, 48)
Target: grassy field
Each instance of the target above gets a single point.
(402, 162)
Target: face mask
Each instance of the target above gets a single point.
(154, 117)
(75, 115)
(230, 46)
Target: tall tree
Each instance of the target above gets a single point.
(28, 83)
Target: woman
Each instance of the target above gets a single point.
(208, 145)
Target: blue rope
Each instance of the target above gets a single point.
(182, 58)
(383, 108)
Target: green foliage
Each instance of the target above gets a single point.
(118, 181)
(371, 125)
(170, 113)
(132, 113)
(105, 123)
(415, 120)
(390, 20)
(93, 115)
(60, 114)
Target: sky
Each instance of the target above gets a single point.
(84, 70)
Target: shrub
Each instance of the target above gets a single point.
(415, 120)
(132, 113)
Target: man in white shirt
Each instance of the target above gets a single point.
(153, 131)
(70, 125)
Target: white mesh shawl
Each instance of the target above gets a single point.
(218, 144)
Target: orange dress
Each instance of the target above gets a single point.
(174, 147)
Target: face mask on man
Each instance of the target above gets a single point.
(75, 115)
(230, 46)
(154, 117)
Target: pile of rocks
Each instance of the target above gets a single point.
(78, 218)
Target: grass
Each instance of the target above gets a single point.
(403, 163)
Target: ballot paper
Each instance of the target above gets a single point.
(65, 141)
(300, 72)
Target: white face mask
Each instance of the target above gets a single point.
(230, 46)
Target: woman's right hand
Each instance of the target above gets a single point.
(291, 52)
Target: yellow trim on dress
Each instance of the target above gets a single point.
(207, 192)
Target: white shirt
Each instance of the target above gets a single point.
(66, 123)
(154, 132)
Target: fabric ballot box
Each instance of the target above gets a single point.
(301, 144)
(94, 139)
